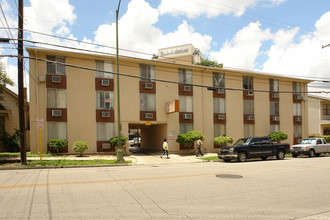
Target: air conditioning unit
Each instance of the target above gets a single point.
(105, 114)
(276, 118)
(276, 95)
(250, 118)
(220, 91)
(186, 88)
(148, 115)
(221, 117)
(148, 86)
(187, 116)
(249, 93)
(56, 113)
(299, 97)
(56, 79)
(105, 82)
(298, 119)
(106, 146)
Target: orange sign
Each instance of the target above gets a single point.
(172, 106)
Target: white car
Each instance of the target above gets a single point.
(311, 147)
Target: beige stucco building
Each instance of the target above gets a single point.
(9, 115)
(319, 111)
(78, 101)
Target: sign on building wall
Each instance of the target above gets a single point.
(172, 106)
(40, 123)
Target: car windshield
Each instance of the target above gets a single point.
(241, 141)
(308, 141)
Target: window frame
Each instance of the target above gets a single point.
(100, 66)
(149, 73)
(149, 106)
(185, 76)
(99, 106)
(55, 66)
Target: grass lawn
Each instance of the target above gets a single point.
(208, 159)
(59, 163)
(28, 154)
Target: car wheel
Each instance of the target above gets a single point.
(280, 155)
(227, 160)
(264, 158)
(242, 157)
(311, 153)
(295, 155)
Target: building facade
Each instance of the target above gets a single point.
(75, 94)
(319, 112)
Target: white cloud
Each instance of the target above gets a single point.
(137, 32)
(214, 8)
(305, 57)
(244, 48)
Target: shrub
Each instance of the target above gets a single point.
(222, 141)
(10, 142)
(80, 147)
(57, 144)
(114, 141)
(190, 136)
(278, 136)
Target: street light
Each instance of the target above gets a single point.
(120, 157)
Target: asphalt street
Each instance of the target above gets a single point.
(294, 188)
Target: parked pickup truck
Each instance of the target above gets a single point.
(253, 147)
(311, 147)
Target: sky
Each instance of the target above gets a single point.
(282, 37)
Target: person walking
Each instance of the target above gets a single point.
(199, 144)
(165, 149)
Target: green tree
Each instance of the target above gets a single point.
(80, 147)
(222, 141)
(278, 136)
(4, 79)
(210, 63)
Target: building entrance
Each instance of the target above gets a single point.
(151, 136)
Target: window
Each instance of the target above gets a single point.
(56, 98)
(247, 82)
(273, 85)
(219, 130)
(219, 80)
(185, 76)
(274, 128)
(248, 130)
(147, 102)
(147, 73)
(296, 109)
(219, 105)
(248, 107)
(297, 131)
(326, 109)
(105, 131)
(326, 131)
(274, 108)
(296, 87)
(185, 103)
(101, 66)
(104, 100)
(55, 68)
(184, 127)
(56, 130)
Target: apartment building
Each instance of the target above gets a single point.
(319, 111)
(75, 94)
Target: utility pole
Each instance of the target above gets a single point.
(21, 83)
(120, 156)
